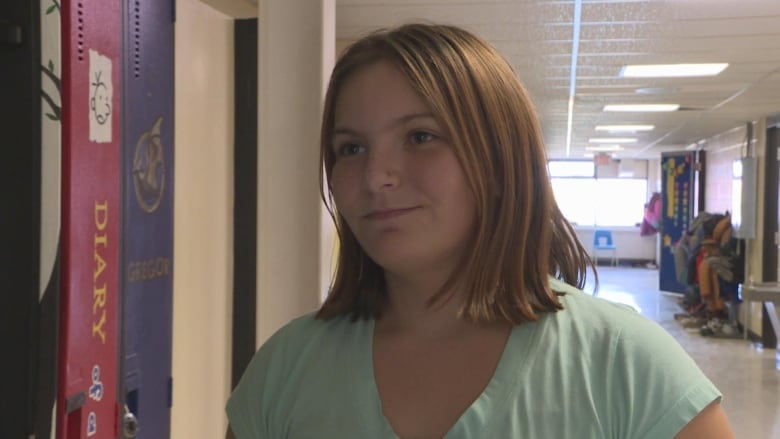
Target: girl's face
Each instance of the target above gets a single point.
(396, 180)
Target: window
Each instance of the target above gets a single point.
(588, 201)
(620, 201)
(574, 198)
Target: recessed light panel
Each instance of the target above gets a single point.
(624, 128)
(612, 140)
(642, 107)
(672, 70)
(656, 90)
(604, 148)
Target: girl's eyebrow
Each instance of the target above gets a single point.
(413, 116)
(346, 131)
(400, 121)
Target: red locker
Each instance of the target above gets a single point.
(87, 400)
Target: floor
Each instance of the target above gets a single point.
(748, 375)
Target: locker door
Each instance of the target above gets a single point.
(147, 278)
(87, 400)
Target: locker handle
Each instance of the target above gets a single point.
(130, 425)
(75, 402)
(73, 405)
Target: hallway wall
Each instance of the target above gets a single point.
(722, 150)
(291, 66)
(203, 221)
(295, 238)
(630, 245)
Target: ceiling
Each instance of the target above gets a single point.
(538, 38)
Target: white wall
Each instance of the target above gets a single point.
(203, 234)
(296, 51)
(722, 150)
(629, 244)
(292, 62)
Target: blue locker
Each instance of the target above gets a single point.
(148, 165)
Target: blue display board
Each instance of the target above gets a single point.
(147, 252)
(677, 195)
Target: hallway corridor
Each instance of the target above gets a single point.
(748, 375)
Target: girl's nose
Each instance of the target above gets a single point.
(382, 171)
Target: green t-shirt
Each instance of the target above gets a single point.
(594, 370)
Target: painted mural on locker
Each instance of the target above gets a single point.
(50, 136)
(51, 147)
(149, 169)
(148, 178)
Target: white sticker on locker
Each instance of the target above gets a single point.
(101, 93)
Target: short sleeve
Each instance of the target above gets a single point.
(302, 383)
(656, 387)
(249, 408)
(245, 407)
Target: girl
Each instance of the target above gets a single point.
(455, 310)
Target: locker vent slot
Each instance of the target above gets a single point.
(136, 38)
(80, 33)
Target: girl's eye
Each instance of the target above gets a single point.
(418, 137)
(349, 149)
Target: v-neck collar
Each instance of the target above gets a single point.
(476, 420)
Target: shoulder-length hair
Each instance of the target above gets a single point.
(521, 237)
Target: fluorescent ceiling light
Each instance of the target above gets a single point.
(612, 140)
(624, 128)
(656, 90)
(642, 107)
(604, 148)
(671, 70)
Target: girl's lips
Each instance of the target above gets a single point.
(385, 214)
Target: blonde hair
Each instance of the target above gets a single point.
(521, 236)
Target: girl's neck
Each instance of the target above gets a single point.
(408, 309)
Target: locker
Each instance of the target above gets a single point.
(147, 278)
(87, 396)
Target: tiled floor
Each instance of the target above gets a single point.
(748, 376)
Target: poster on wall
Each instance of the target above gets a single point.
(677, 205)
(87, 397)
(147, 229)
